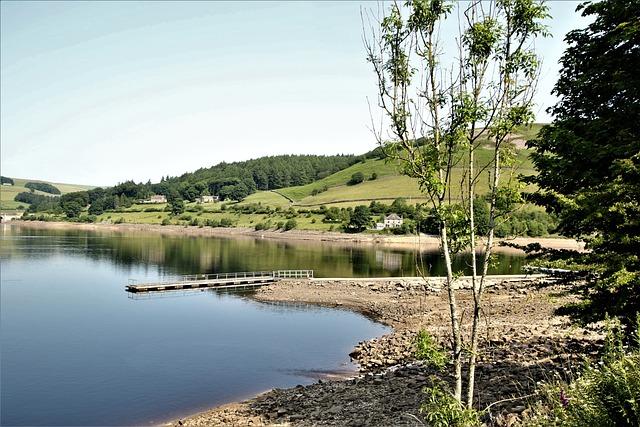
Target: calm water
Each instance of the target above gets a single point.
(77, 351)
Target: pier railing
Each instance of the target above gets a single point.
(177, 282)
(209, 277)
(293, 274)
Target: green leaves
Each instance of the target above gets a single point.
(481, 39)
(589, 158)
(430, 351)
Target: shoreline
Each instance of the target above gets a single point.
(423, 242)
(524, 344)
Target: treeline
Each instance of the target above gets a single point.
(272, 173)
(228, 181)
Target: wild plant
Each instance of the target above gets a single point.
(606, 393)
(430, 351)
(442, 409)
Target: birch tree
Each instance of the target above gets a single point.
(441, 100)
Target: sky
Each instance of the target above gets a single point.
(98, 93)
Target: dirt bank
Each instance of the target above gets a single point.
(425, 242)
(523, 343)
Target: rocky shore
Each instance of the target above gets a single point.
(523, 343)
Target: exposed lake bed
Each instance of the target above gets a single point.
(526, 343)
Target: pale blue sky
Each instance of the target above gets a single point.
(102, 92)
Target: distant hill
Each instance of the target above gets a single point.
(9, 192)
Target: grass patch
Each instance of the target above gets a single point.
(9, 192)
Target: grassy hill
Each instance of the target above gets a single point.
(9, 192)
(389, 185)
(331, 191)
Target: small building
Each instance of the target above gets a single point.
(209, 199)
(393, 221)
(156, 199)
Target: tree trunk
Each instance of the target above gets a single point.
(453, 307)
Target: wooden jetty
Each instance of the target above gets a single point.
(216, 281)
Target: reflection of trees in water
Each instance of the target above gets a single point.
(171, 255)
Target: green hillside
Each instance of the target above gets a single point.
(330, 184)
(387, 186)
(9, 192)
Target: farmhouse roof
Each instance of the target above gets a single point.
(393, 217)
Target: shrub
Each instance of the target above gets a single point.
(212, 223)
(356, 178)
(441, 409)
(606, 393)
(430, 351)
(262, 226)
(226, 222)
(166, 221)
(291, 213)
(290, 225)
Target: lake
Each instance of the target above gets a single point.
(77, 351)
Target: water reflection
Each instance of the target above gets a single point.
(77, 351)
(176, 254)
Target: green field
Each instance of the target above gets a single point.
(9, 192)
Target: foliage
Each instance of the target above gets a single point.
(97, 207)
(361, 218)
(526, 220)
(72, 204)
(589, 157)
(6, 180)
(290, 224)
(42, 186)
(356, 178)
(442, 409)
(606, 393)
(430, 351)
(35, 200)
(270, 173)
(437, 114)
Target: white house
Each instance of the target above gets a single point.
(393, 221)
(157, 199)
(209, 199)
